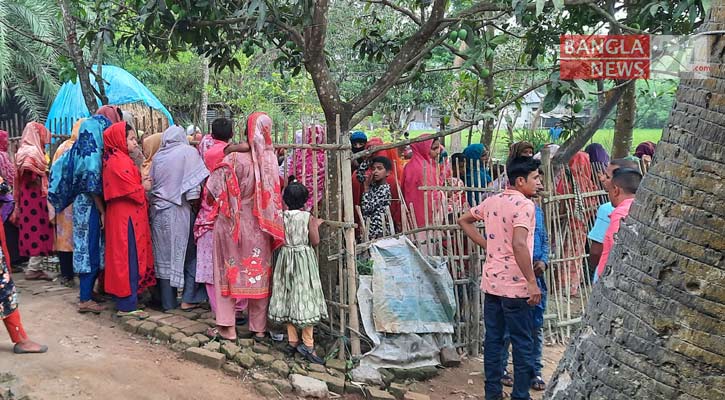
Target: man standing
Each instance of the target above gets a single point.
(508, 281)
(625, 182)
(596, 235)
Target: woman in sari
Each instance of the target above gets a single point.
(128, 237)
(248, 228)
(176, 174)
(579, 212)
(477, 175)
(150, 147)
(307, 162)
(7, 172)
(598, 157)
(422, 171)
(31, 199)
(76, 180)
(64, 219)
(211, 150)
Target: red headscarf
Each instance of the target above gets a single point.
(306, 159)
(31, 155)
(421, 171)
(7, 168)
(121, 177)
(267, 197)
(112, 113)
(645, 149)
(579, 181)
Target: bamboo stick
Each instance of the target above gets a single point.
(350, 248)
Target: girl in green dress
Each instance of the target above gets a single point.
(297, 299)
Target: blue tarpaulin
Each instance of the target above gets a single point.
(121, 88)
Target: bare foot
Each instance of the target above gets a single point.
(28, 346)
(188, 306)
(227, 332)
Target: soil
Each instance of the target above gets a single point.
(466, 381)
(90, 357)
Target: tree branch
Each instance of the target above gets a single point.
(405, 11)
(451, 131)
(34, 38)
(408, 52)
(580, 138)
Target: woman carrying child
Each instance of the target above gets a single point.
(297, 298)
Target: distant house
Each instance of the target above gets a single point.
(427, 118)
(530, 106)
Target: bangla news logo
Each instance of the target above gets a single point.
(632, 56)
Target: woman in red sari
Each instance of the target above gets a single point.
(129, 258)
(577, 180)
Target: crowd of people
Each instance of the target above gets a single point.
(232, 225)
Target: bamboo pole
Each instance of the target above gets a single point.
(340, 266)
(350, 248)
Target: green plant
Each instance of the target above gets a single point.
(537, 137)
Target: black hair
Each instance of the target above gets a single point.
(382, 160)
(222, 129)
(129, 128)
(625, 163)
(521, 167)
(295, 196)
(457, 158)
(627, 179)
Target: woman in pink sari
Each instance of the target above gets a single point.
(422, 171)
(304, 165)
(248, 228)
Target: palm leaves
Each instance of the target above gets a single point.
(30, 36)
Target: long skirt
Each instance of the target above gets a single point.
(36, 231)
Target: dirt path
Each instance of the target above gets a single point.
(91, 358)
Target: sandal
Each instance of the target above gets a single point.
(90, 306)
(310, 354)
(507, 380)
(138, 314)
(37, 276)
(17, 349)
(239, 321)
(538, 384)
(262, 339)
(290, 349)
(213, 333)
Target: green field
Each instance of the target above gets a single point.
(603, 136)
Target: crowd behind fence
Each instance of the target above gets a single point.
(569, 208)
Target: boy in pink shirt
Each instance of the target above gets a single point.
(508, 279)
(625, 182)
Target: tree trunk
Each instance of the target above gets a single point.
(76, 55)
(654, 325)
(204, 102)
(624, 126)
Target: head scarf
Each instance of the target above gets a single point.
(476, 173)
(111, 113)
(305, 161)
(79, 171)
(553, 148)
(150, 147)
(7, 168)
(129, 118)
(267, 197)
(645, 149)
(518, 148)
(358, 136)
(597, 156)
(31, 155)
(176, 167)
(421, 171)
(120, 175)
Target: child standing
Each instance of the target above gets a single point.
(297, 297)
(376, 196)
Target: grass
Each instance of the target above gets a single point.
(603, 136)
